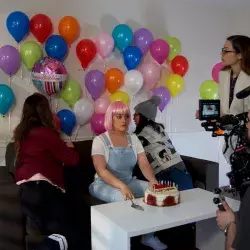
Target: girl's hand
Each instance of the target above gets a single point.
(127, 193)
(70, 144)
(152, 183)
(197, 114)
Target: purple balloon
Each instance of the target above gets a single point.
(10, 60)
(143, 39)
(95, 83)
(165, 96)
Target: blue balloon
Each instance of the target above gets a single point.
(68, 121)
(123, 36)
(7, 98)
(18, 25)
(56, 47)
(132, 57)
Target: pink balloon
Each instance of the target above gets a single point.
(159, 50)
(151, 74)
(97, 123)
(101, 105)
(216, 71)
(105, 45)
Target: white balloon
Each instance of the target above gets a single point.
(133, 81)
(83, 110)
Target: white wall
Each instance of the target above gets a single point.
(201, 26)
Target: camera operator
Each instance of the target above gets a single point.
(237, 230)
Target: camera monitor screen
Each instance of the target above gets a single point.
(209, 110)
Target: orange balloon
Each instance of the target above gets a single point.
(69, 29)
(114, 79)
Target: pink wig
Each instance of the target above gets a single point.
(115, 108)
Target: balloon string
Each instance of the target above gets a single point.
(84, 85)
(9, 115)
(77, 132)
(29, 79)
(51, 102)
(10, 81)
(104, 65)
(57, 105)
(21, 72)
(21, 66)
(1, 120)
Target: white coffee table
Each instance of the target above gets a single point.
(113, 224)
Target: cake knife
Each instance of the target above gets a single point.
(135, 206)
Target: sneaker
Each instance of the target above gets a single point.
(153, 242)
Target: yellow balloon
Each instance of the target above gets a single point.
(175, 84)
(120, 96)
(209, 90)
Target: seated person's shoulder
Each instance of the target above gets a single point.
(99, 139)
(133, 136)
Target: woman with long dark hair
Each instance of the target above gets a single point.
(164, 159)
(40, 158)
(235, 76)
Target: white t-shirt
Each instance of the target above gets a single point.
(99, 146)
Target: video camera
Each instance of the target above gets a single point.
(234, 130)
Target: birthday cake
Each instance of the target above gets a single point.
(162, 195)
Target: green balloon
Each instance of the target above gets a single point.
(30, 52)
(175, 47)
(71, 92)
(209, 90)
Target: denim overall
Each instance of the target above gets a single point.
(120, 163)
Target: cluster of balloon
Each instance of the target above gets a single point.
(68, 121)
(105, 45)
(7, 99)
(30, 52)
(71, 92)
(163, 51)
(69, 29)
(49, 76)
(97, 123)
(48, 73)
(114, 79)
(56, 47)
(86, 51)
(10, 60)
(18, 25)
(41, 27)
(209, 89)
(57, 122)
(216, 71)
(95, 83)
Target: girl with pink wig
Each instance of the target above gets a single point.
(115, 153)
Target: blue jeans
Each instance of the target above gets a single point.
(182, 178)
(107, 193)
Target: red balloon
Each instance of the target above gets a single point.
(41, 27)
(180, 65)
(86, 52)
(57, 122)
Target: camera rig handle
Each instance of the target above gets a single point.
(219, 199)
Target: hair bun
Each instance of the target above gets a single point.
(156, 100)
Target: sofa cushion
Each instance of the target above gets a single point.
(11, 220)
